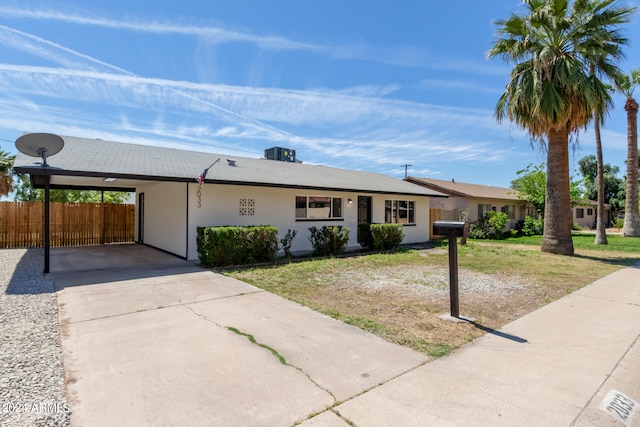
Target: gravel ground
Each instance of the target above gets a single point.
(32, 391)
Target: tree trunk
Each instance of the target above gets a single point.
(631, 218)
(601, 222)
(557, 212)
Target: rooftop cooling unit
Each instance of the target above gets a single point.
(279, 153)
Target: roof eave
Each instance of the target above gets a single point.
(52, 171)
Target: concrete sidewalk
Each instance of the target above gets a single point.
(183, 346)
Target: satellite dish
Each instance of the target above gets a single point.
(40, 145)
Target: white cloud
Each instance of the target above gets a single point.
(45, 49)
(403, 56)
(463, 85)
(369, 130)
(355, 127)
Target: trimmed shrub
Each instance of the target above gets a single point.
(380, 237)
(222, 246)
(328, 240)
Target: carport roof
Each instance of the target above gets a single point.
(86, 162)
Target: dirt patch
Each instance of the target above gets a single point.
(412, 299)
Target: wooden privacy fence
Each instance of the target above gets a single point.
(71, 224)
(434, 215)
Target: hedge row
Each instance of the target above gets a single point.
(221, 246)
(232, 245)
(380, 237)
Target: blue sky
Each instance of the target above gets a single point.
(362, 84)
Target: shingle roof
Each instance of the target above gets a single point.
(461, 189)
(97, 158)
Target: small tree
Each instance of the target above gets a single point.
(287, 241)
(614, 187)
(531, 187)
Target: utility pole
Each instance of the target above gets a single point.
(406, 168)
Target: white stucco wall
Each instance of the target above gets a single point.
(170, 222)
(165, 216)
(220, 205)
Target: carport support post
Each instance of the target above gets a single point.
(47, 180)
(453, 275)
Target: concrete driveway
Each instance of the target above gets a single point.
(149, 339)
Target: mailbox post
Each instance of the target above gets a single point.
(453, 230)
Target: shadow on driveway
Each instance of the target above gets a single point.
(90, 265)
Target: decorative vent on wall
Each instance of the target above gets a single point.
(247, 207)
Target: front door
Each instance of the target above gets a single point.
(364, 210)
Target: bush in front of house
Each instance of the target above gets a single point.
(489, 226)
(618, 223)
(531, 227)
(328, 240)
(222, 246)
(380, 237)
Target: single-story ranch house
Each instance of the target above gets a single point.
(475, 200)
(585, 214)
(172, 203)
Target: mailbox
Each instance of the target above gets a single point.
(451, 228)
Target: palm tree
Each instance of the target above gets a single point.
(551, 91)
(601, 225)
(6, 178)
(626, 84)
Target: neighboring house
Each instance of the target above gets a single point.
(475, 200)
(236, 191)
(585, 214)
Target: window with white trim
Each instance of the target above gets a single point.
(318, 207)
(399, 211)
(579, 212)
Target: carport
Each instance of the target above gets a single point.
(47, 175)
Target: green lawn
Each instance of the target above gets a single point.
(391, 295)
(582, 241)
